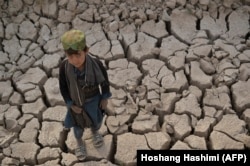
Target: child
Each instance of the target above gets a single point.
(84, 86)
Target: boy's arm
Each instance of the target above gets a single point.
(63, 85)
(105, 87)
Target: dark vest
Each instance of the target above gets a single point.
(77, 93)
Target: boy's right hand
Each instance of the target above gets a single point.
(76, 109)
(69, 103)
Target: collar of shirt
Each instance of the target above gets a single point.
(78, 72)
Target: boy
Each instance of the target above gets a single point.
(84, 86)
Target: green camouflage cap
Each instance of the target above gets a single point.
(74, 39)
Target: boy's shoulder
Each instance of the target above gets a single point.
(97, 59)
(65, 61)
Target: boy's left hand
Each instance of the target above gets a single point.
(103, 104)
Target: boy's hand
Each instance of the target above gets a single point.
(76, 109)
(103, 104)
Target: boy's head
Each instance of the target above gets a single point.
(73, 41)
(74, 45)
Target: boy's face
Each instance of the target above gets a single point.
(77, 60)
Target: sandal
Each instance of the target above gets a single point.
(97, 139)
(80, 153)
